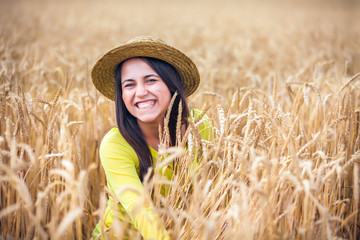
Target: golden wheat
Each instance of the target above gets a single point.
(279, 84)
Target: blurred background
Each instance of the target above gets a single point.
(281, 71)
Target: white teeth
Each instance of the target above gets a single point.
(144, 105)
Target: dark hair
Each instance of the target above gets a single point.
(127, 123)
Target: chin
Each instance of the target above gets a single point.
(148, 120)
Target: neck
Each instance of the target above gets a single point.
(151, 133)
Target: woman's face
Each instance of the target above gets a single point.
(144, 93)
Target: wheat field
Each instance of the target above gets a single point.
(280, 83)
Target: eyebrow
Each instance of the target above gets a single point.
(151, 75)
(127, 80)
(146, 76)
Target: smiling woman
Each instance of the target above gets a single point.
(142, 76)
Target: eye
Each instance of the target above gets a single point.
(151, 80)
(128, 85)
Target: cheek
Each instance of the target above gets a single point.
(169, 97)
(166, 96)
(126, 98)
(165, 92)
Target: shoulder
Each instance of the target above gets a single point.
(113, 137)
(204, 124)
(115, 147)
(196, 113)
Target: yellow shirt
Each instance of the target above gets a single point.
(121, 166)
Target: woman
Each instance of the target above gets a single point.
(142, 76)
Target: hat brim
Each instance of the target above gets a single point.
(103, 72)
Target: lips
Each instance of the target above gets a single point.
(145, 104)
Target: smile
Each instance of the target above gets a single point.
(145, 105)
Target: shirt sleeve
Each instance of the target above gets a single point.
(119, 161)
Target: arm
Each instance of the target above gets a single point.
(119, 161)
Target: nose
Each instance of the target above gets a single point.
(141, 90)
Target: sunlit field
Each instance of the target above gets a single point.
(280, 83)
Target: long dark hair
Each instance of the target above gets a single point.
(127, 123)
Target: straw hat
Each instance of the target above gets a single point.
(103, 72)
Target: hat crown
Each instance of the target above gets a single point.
(145, 39)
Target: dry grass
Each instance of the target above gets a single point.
(283, 88)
